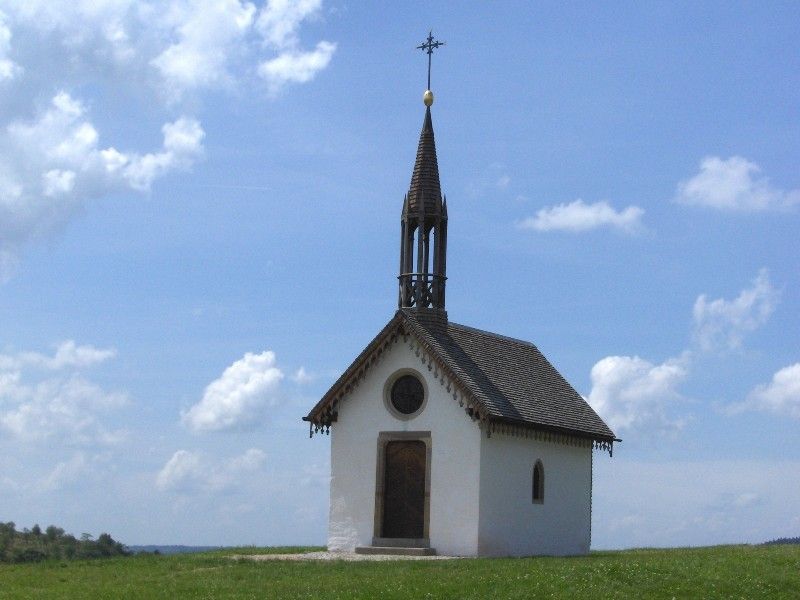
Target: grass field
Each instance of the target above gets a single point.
(715, 572)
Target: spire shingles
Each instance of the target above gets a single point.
(425, 192)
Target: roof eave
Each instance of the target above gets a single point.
(324, 412)
(319, 414)
(555, 429)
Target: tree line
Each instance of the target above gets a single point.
(31, 545)
(781, 541)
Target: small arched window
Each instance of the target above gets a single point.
(538, 482)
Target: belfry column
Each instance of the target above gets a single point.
(424, 217)
(422, 274)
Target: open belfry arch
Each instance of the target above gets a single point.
(441, 434)
(423, 265)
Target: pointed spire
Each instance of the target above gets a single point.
(423, 225)
(425, 178)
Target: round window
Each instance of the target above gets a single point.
(407, 394)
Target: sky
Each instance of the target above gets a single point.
(199, 222)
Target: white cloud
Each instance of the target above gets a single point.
(180, 46)
(252, 460)
(495, 176)
(9, 485)
(170, 51)
(239, 397)
(51, 166)
(279, 20)
(633, 394)
(189, 45)
(183, 470)
(65, 473)
(56, 182)
(64, 406)
(578, 216)
(67, 354)
(302, 377)
(722, 324)
(747, 499)
(208, 33)
(8, 68)
(278, 23)
(66, 18)
(70, 354)
(733, 184)
(190, 472)
(296, 66)
(182, 147)
(781, 396)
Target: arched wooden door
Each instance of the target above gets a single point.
(404, 490)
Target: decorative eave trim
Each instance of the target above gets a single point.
(478, 412)
(326, 411)
(550, 434)
(452, 383)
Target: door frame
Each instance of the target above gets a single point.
(384, 437)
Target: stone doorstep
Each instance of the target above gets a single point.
(396, 550)
(401, 542)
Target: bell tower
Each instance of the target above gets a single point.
(423, 223)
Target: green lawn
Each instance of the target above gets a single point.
(716, 572)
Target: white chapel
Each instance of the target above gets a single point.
(448, 439)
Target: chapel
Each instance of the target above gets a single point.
(446, 438)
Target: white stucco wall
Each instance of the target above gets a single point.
(510, 523)
(455, 460)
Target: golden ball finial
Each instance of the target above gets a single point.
(427, 97)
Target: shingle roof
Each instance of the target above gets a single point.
(510, 380)
(425, 186)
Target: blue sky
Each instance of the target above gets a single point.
(199, 220)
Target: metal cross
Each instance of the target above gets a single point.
(428, 47)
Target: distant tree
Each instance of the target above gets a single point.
(69, 546)
(108, 547)
(782, 541)
(7, 534)
(53, 533)
(31, 545)
(27, 554)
